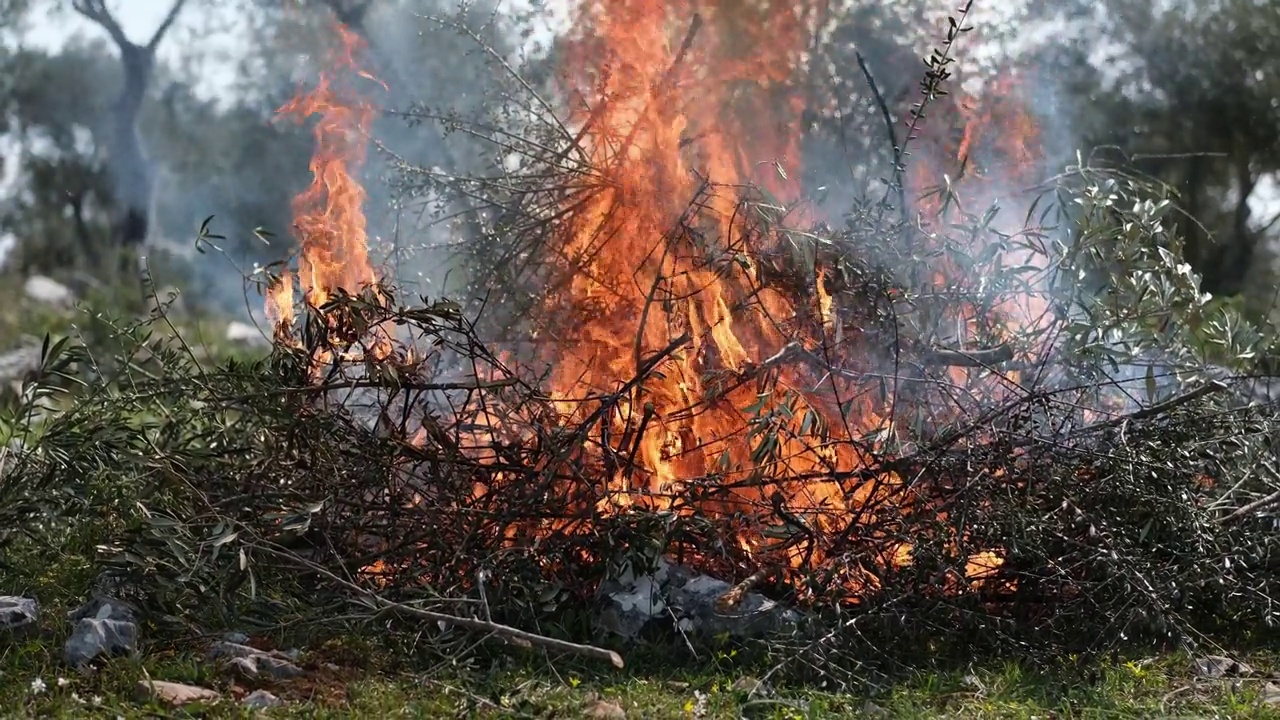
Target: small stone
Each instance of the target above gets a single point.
(629, 607)
(103, 626)
(261, 700)
(48, 291)
(1270, 694)
(872, 710)
(677, 685)
(755, 615)
(1220, 666)
(17, 612)
(104, 607)
(92, 638)
(748, 685)
(604, 710)
(174, 694)
(16, 365)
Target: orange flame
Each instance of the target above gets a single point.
(676, 107)
(329, 220)
(669, 309)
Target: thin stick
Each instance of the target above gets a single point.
(888, 124)
(1264, 503)
(970, 358)
(1161, 407)
(729, 601)
(504, 631)
(406, 384)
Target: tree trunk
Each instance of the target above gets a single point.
(127, 164)
(129, 167)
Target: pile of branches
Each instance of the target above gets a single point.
(445, 484)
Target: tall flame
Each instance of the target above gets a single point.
(329, 220)
(677, 106)
(674, 105)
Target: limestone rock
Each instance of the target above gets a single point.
(17, 612)
(246, 334)
(174, 694)
(630, 601)
(103, 627)
(604, 710)
(261, 700)
(48, 291)
(252, 662)
(1219, 666)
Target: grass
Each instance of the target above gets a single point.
(360, 676)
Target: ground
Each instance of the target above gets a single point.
(353, 678)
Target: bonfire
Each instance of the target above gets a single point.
(712, 366)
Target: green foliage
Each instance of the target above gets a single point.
(1131, 298)
(1186, 93)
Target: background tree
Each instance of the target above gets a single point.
(130, 170)
(1186, 92)
(61, 211)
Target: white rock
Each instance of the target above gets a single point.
(172, 693)
(17, 612)
(49, 291)
(261, 700)
(246, 334)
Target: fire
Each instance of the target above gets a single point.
(667, 307)
(677, 109)
(712, 399)
(329, 220)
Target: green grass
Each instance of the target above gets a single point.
(358, 677)
(22, 319)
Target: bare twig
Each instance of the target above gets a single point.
(1159, 408)
(968, 358)
(169, 18)
(504, 631)
(1262, 504)
(730, 600)
(97, 11)
(889, 128)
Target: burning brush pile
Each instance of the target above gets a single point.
(717, 413)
